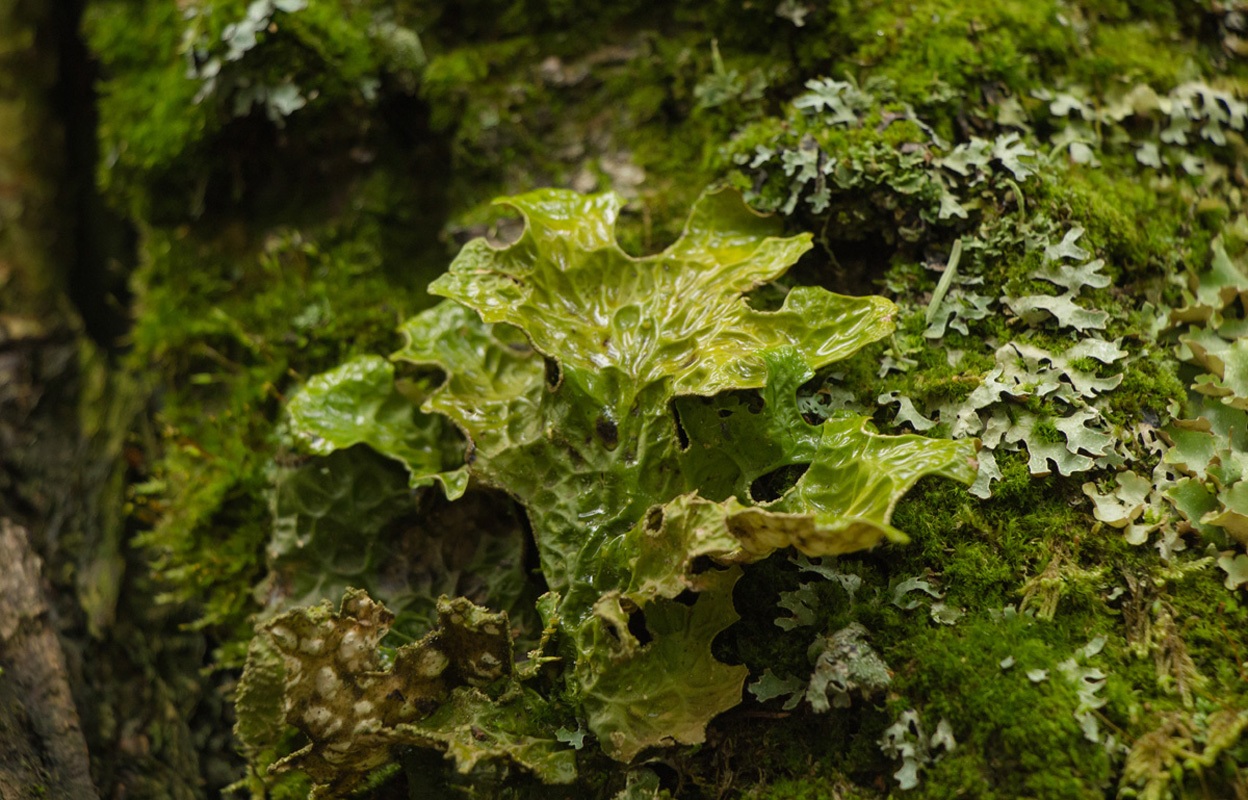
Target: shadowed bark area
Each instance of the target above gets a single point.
(42, 752)
(42, 749)
(34, 249)
(99, 686)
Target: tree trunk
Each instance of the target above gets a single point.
(42, 749)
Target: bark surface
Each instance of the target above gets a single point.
(42, 751)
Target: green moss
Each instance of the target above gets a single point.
(925, 47)
(1046, 432)
(813, 787)
(1018, 738)
(1145, 51)
(187, 126)
(233, 326)
(1133, 222)
(235, 311)
(988, 546)
(1149, 385)
(1214, 624)
(148, 115)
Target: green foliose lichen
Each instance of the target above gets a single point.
(610, 476)
(656, 102)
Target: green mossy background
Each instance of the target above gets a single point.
(271, 246)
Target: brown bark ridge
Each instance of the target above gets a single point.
(42, 750)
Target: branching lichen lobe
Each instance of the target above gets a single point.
(594, 460)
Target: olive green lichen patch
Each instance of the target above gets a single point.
(844, 665)
(665, 691)
(357, 403)
(906, 740)
(1204, 484)
(625, 349)
(349, 520)
(580, 424)
(636, 345)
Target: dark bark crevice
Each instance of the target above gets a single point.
(104, 244)
(44, 499)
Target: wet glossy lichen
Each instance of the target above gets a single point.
(588, 444)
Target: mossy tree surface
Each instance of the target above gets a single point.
(298, 173)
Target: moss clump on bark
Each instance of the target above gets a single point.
(282, 233)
